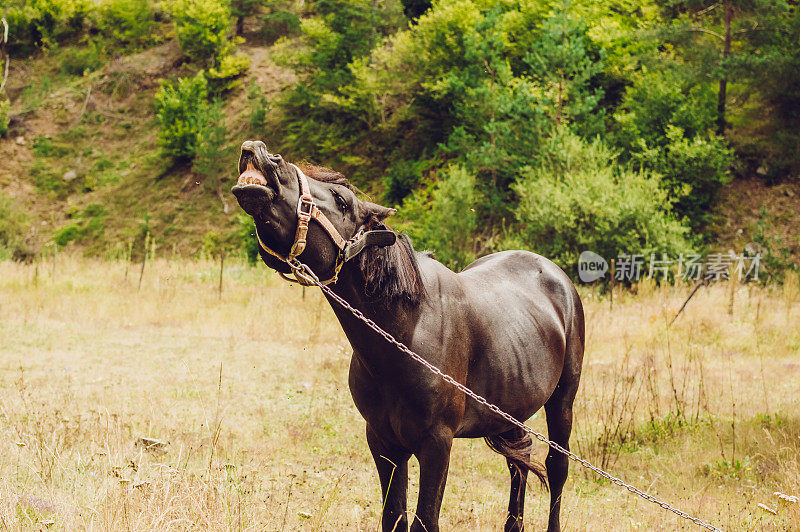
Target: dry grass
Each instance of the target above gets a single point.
(249, 393)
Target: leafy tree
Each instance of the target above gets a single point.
(563, 60)
(43, 23)
(341, 31)
(767, 130)
(708, 32)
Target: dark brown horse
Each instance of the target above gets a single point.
(510, 327)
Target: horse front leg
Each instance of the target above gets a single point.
(392, 465)
(434, 463)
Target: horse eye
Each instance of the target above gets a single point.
(340, 202)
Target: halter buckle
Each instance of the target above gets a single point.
(305, 207)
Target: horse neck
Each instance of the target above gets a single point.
(394, 317)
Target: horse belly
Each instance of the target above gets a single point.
(516, 365)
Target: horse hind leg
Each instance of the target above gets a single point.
(516, 446)
(559, 427)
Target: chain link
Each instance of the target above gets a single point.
(494, 408)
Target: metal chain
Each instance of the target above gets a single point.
(494, 408)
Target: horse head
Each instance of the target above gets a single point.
(314, 220)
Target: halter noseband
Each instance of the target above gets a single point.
(306, 210)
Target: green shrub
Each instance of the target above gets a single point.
(5, 106)
(280, 23)
(43, 146)
(259, 105)
(130, 23)
(90, 224)
(43, 23)
(580, 200)
(403, 176)
(228, 73)
(13, 227)
(213, 158)
(442, 218)
(693, 170)
(69, 233)
(201, 27)
(81, 61)
(45, 177)
(247, 238)
(667, 126)
(179, 108)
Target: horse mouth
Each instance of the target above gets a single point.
(252, 189)
(250, 172)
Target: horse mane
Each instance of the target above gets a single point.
(390, 273)
(326, 175)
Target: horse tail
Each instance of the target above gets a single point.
(517, 447)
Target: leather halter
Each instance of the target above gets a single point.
(306, 210)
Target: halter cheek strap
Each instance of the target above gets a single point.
(306, 210)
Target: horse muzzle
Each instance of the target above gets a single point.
(257, 184)
(254, 199)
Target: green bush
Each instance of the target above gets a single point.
(442, 218)
(179, 108)
(14, 225)
(72, 232)
(79, 61)
(580, 199)
(43, 23)
(247, 238)
(228, 73)
(201, 27)
(213, 158)
(403, 176)
(130, 23)
(280, 23)
(693, 170)
(5, 106)
(90, 224)
(666, 125)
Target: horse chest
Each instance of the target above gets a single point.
(400, 406)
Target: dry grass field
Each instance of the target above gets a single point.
(249, 394)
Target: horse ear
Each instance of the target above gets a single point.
(372, 212)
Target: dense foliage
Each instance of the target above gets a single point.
(555, 126)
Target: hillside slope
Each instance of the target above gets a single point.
(82, 155)
(82, 152)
